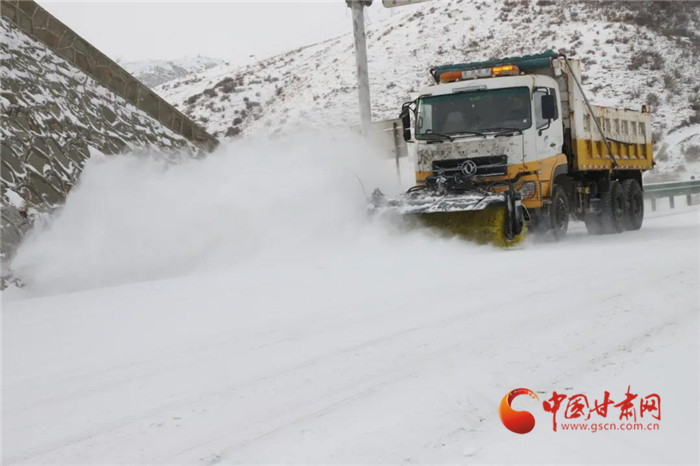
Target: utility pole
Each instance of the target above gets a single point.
(358, 27)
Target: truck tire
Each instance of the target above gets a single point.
(612, 215)
(634, 206)
(559, 212)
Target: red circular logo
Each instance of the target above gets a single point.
(520, 422)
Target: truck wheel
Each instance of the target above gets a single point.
(559, 213)
(612, 216)
(634, 207)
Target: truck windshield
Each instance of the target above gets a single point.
(474, 112)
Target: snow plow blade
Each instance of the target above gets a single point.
(486, 218)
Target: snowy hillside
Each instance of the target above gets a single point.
(156, 72)
(633, 53)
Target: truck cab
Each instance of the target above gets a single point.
(504, 125)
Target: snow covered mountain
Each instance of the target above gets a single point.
(633, 53)
(156, 72)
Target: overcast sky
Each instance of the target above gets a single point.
(232, 30)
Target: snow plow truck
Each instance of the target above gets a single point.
(512, 144)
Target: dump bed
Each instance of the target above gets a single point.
(628, 132)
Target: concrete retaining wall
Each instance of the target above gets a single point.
(39, 24)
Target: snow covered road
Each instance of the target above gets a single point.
(395, 348)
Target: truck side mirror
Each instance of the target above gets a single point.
(406, 123)
(549, 107)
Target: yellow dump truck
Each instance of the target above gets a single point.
(504, 143)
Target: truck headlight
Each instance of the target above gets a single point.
(527, 190)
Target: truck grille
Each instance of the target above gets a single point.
(490, 165)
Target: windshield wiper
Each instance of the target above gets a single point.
(467, 133)
(441, 136)
(452, 136)
(504, 131)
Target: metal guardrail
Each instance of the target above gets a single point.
(670, 190)
(388, 135)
